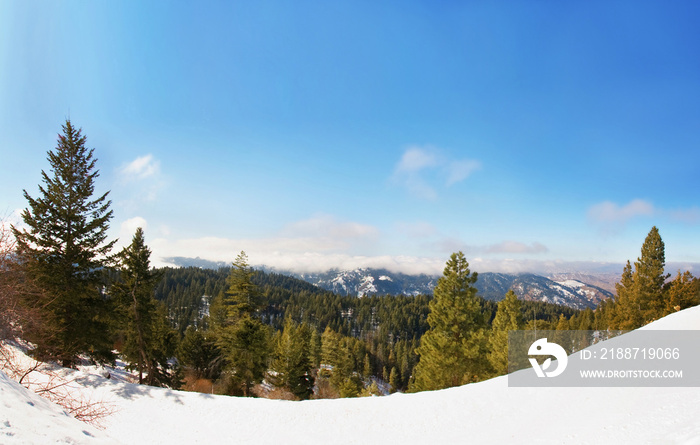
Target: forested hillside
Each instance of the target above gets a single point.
(380, 333)
(187, 293)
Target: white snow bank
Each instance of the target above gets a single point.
(685, 320)
(486, 413)
(26, 418)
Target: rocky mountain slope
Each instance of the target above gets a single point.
(492, 286)
(361, 282)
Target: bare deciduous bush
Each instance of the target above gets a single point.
(19, 314)
(9, 281)
(47, 381)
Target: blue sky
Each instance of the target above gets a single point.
(529, 135)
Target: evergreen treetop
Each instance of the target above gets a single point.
(640, 295)
(242, 296)
(509, 317)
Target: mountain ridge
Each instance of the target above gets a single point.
(576, 290)
(490, 285)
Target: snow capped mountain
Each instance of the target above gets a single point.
(361, 282)
(577, 290)
(568, 292)
(492, 286)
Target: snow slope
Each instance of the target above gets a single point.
(26, 418)
(486, 412)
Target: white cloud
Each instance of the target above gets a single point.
(318, 243)
(611, 217)
(141, 181)
(329, 226)
(610, 212)
(131, 224)
(13, 219)
(422, 169)
(415, 159)
(299, 255)
(516, 247)
(296, 256)
(127, 229)
(458, 171)
(688, 216)
(418, 229)
(141, 168)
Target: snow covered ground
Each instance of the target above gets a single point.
(486, 412)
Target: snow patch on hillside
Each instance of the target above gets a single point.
(571, 283)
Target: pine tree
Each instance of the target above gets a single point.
(242, 296)
(366, 367)
(394, 380)
(246, 348)
(681, 293)
(585, 321)
(640, 292)
(339, 353)
(625, 312)
(199, 353)
(562, 323)
(509, 317)
(315, 349)
(148, 340)
(244, 341)
(453, 351)
(65, 248)
(649, 277)
(292, 364)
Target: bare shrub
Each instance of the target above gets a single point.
(280, 394)
(19, 313)
(324, 390)
(47, 381)
(194, 383)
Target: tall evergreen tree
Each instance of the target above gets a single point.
(453, 351)
(649, 277)
(242, 338)
(292, 362)
(147, 336)
(315, 349)
(681, 293)
(65, 248)
(625, 312)
(199, 353)
(246, 348)
(242, 296)
(640, 292)
(509, 317)
(394, 381)
(338, 352)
